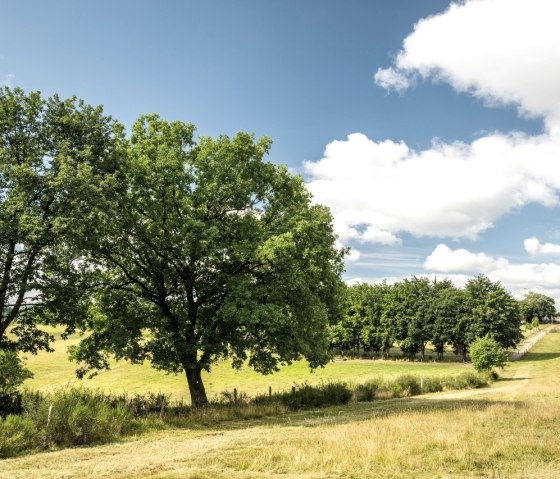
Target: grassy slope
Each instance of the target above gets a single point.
(509, 431)
(53, 370)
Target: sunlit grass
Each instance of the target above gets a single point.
(53, 371)
(510, 431)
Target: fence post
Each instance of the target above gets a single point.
(49, 415)
(270, 391)
(235, 395)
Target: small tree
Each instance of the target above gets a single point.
(486, 353)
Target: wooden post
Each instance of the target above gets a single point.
(235, 395)
(270, 391)
(49, 416)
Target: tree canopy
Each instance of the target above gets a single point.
(415, 312)
(209, 252)
(537, 305)
(55, 158)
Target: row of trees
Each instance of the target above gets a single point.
(167, 248)
(417, 311)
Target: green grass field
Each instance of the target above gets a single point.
(508, 431)
(54, 370)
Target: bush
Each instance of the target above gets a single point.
(78, 417)
(18, 434)
(406, 385)
(367, 391)
(432, 385)
(306, 396)
(486, 353)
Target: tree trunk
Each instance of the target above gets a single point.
(196, 387)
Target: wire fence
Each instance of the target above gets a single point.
(528, 344)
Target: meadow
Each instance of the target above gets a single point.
(508, 431)
(53, 371)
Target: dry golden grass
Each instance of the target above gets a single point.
(510, 431)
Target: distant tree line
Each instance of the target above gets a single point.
(417, 312)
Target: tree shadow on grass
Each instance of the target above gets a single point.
(530, 356)
(351, 413)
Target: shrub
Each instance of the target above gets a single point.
(78, 417)
(432, 385)
(18, 434)
(326, 394)
(406, 385)
(367, 391)
(486, 353)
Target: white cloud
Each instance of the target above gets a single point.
(378, 189)
(516, 278)
(535, 248)
(391, 79)
(352, 256)
(503, 51)
(445, 260)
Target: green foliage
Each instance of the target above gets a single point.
(368, 391)
(78, 417)
(308, 396)
(537, 305)
(210, 252)
(486, 353)
(411, 385)
(406, 385)
(12, 375)
(492, 311)
(12, 372)
(57, 158)
(17, 435)
(415, 312)
(535, 323)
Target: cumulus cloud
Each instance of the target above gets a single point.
(378, 189)
(352, 256)
(535, 248)
(445, 260)
(517, 278)
(391, 79)
(503, 51)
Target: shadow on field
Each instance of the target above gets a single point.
(356, 412)
(530, 356)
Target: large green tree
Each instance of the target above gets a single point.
(408, 312)
(56, 157)
(450, 318)
(492, 311)
(208, 253)
(537, 305)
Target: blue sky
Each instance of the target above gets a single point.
(429, 94)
